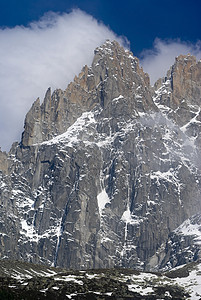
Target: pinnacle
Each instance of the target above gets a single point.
(112, 49)
(184, 59)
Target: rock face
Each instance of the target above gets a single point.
(105, 170)
(178, 95)
(183, 246)
(3, 162)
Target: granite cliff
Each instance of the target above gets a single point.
(107, 169)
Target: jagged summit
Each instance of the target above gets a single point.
(183, 81)
(107, 169)
(114, 72)
(178, 95)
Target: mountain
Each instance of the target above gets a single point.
(106, 170)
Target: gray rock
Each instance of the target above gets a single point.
(103, 174)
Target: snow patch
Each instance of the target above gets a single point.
(140, 289)
(128, 218)
(71, 136)
(118, 98)
(68, 279)
(189, 229)
(103, 199)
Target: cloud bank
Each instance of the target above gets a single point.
(157, 61)
(46, 53)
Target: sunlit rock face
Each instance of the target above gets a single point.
(106, 169)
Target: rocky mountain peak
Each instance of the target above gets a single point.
(105, 171)
(178, 95)
(183, 81)
(186, 79)
(119, 59)
(114, 72)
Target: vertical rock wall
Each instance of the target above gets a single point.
(104, 172)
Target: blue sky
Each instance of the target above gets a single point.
(45, 43)
(141, 21)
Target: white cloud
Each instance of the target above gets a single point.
(157, 61)
(46, 53)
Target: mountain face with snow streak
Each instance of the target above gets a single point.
(107, 169)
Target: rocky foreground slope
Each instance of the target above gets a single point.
(107, 169)
(27, 281)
